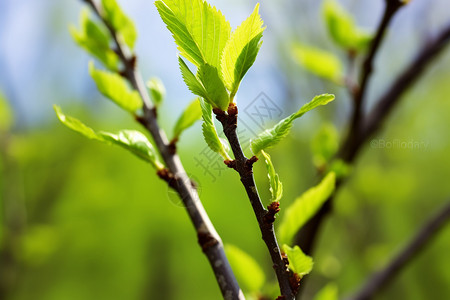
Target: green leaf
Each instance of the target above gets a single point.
(115, 87)
(132, 140)
(248, 272)
(135, 142)
(343, 29)
(276, 187)
(122, 24)
(95, 40)
(192, 82)
(319, 62)
(304, 208)
(210, 133)
(214, 87)
(157, 91)
(299, 262)
(199, 30)
(273, 136)
(324, 145)
(241, 50)
(190, 115)
(328, 292)
(6, 114)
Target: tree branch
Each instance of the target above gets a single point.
(392, 6)
(176, 176)
(244, 167)
(378, 281)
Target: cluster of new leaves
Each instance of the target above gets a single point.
(344, 32)
(204, 38)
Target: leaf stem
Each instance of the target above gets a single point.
(176, 176)
(244, 166)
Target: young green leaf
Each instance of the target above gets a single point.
(114, 87)
(343, 29)
(132, 140)
(210, 133)
(190, 115)
(6, 114)
(199, 30)
(157, 91)
(216, 91)
(95, 40)
(304, 208)
(276, 187)
(248, 272)
(273, 136)
(192, 82)
(299, 262)
(135, 142)
(319, 62)
(324, 145)
(122, 24)
(328, 292)
(241, 50)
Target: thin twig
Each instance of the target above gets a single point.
(380, 280)
(244, 167)
(392, 6)
(177, 178)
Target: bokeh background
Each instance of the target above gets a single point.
(82, 220)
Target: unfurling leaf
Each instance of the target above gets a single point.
(248, 272)
(342, 27)
(325, 145)
(6, 114)
(216, 91)
(273, 136)
(157, 91)
(299, 262)
(215, 143)
(319, 62)
(122, 24)
(114, 87)
(328, 292)
(276, 187)
(199, 30)
(304, 208)
(132, 140)
(189, 116)
(241, 50)
(95, 40)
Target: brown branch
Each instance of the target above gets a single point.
(208, 238)
(244, 167)
(392, 6)
(380, 280)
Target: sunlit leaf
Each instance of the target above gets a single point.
(328, 292)
(319, 62)
(241, 50)
(123, 25)
(131, 140)
(304, 208)
(273, 136)
(276, 187)
(189, 116)
(210, 133)
(95, 40)
(299, 262)
(249, 274)
(115, 87)
(199, 30)
(343, 29)
(157, 91)
(6, 114)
